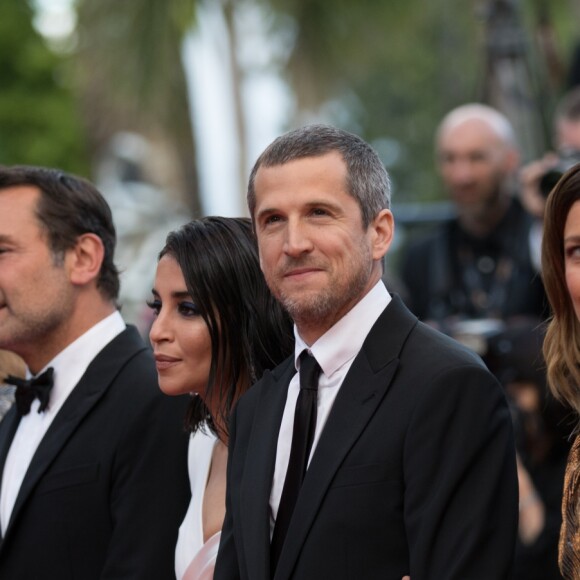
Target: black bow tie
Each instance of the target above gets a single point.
(29, 389)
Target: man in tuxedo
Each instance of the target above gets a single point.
(94, 482)
(402, 462)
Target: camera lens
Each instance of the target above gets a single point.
(549, 180)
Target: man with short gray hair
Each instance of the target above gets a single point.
(381, 448)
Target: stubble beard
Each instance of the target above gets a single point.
(326, 306)
(483, 214)
(25, 331)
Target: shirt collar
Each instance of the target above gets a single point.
(343, 341)
(71, 363)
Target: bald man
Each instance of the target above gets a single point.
(478, 265)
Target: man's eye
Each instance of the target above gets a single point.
(319, 212)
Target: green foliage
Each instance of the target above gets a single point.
(136, 47)
(39, 121)
(130, 76)
(428, 63)
(390, 70)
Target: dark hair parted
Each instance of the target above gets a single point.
(69, 207)
(562, 341)
(367, 178)
(249, 330)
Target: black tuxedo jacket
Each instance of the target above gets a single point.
(414, 471)
(107, 488)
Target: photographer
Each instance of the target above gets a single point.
(539, 177)
(476, 269)
(473, 277)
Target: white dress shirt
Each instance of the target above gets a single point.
(69, 366)
(335, 352)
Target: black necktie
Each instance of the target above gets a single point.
(29, 389)
(302, 436)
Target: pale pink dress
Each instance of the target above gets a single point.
(194, 559)
(201, 567)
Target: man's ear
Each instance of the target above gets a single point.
(382, 229)
(85, 259)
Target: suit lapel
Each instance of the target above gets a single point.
(89, 390)
(362, 391)
(8, 426)
(259, 471)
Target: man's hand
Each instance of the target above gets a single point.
(530, 176)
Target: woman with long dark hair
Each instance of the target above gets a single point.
(217, 329)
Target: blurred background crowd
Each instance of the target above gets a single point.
(165, 104)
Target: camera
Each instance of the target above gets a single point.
(566, 159)
(510, 349)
